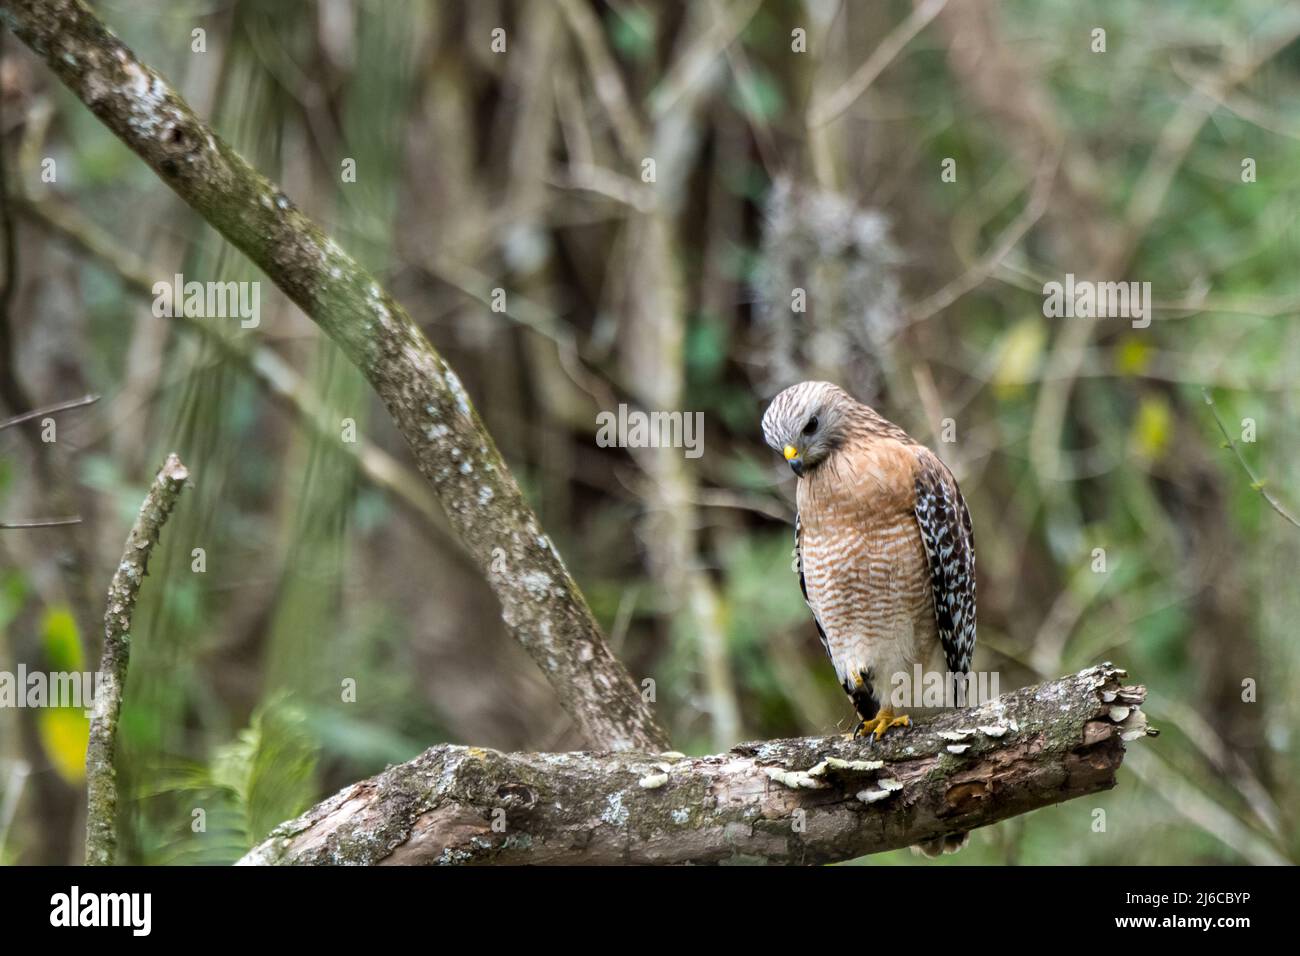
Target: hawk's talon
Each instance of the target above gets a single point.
(884, 719)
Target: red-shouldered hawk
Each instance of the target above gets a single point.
(885, 550)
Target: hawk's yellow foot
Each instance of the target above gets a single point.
(884, 719)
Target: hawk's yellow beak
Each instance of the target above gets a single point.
(790, 452)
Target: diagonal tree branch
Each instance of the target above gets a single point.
(48, 410)
(802, 801)
(101, 751)
(540, 602)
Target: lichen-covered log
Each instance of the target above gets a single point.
(802, 801)
(540, 602)
(101, 770)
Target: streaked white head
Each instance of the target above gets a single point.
(807, 422)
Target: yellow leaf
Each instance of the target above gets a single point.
(1151, 428)
(1019, 353)
(1133, 357)
(65, 731)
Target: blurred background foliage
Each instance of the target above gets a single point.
(329, 625)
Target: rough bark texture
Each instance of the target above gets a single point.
(101, 773)
(540, 602)
(803, 801)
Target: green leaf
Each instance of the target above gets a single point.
(632, 32)
(757, 95)
(62, 640)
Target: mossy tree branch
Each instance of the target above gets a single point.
(101, 751)
(540, 602)
(803, 801)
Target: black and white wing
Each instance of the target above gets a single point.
(950, 546)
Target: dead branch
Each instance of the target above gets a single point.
(101, 771)
(802, 801)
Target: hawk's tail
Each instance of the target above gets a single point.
(949, 843)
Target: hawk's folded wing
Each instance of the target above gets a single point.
(950, 546)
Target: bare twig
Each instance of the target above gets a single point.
(48, 410)
(1256, 482)
(40, 522)
(825, 110)
(801, 801)
(691, 67)
(1039, 194)
(273, 374)
(101, 771)
(541, 603)
(605, 78)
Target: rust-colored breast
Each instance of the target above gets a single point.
(863, 560)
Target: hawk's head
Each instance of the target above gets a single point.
(807, 422)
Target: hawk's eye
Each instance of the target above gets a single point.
(811, 426)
